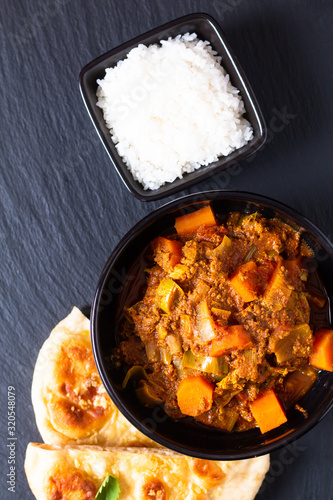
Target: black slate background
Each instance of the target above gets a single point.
(63, 208)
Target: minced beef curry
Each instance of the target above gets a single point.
(222, 332)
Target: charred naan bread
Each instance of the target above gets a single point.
(69, 400)
(76, 472)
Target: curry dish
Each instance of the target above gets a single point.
(222, 333)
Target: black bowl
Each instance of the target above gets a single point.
(206, 29)
(123, 280)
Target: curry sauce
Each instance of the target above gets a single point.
(224, 322)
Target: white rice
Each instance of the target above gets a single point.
(171, 108)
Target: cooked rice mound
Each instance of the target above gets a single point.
(171, 108)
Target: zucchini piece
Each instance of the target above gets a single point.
(168, 291)
(146, 394)
(231, 420)
(166, 357)
(215, 366)
(190, 361)
(178, 367)
(185, 326)
(208, 364)
(137, 372)
(294, 343)
(224, 248)
(226, 397)
(249, 368)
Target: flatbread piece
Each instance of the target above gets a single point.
(76, 472)
(70, 402)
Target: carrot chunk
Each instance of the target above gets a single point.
(188, 224)
(322, 356)
(246, 281)
(195, 395)
(294, 271)
(278, 290)
(233, 337)
(268, 411)
(171, 247)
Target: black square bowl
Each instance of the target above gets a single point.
(207, 29)
(123, 282)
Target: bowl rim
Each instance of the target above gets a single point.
(252, 108)
(146, 221)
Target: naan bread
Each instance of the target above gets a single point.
(76, 473)
(70, 403)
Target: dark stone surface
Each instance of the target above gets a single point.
(63, 208)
